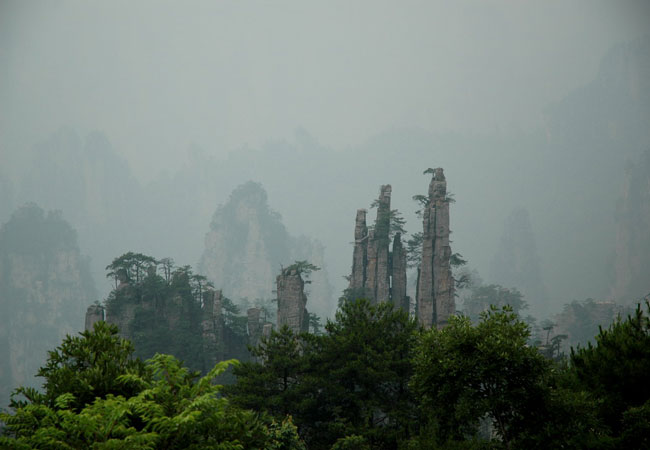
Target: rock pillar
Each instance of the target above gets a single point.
(382, 243)
(212, 329)
(360, 252)
(254, 326)
(435, 291)
(377, 274)
(398, 271)
(292, 301)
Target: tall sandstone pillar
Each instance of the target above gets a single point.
(398, 271)
(254, 326)
(360, 253)
(292, 301)
(212, 329)
(435, 291)
(378, 274)
(382, 243)
(371, 268)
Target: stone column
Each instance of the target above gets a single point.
(398, 270)
(212, 329)
(254, 326)
(292, 301)
(359, 255)
(382, 230)
(436, 284)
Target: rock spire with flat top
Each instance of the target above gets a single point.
(435, 290)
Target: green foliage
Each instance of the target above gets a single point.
(388, 223)
(364, 360)
(414, 250)
(171, 408)
(86, 367)
(354, 442)
(315, 324)
(583, 319)
(302, 268)
(482, 297)
(163, 314)
(352, 380)
(617, 369)
(456, 260)
(353, 294)
(465, 373)
(133, 266)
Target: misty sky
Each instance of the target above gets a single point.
(156, 76)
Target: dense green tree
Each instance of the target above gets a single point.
(484, 296)
(86, 366)
(159, 405)
(465, 374)
(350, 381)
(616, 370)
(272, 383)
(133, 266)
(162, 314)
(364, 361)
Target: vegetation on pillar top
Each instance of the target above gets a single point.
(302, 268)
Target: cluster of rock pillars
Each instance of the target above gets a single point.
(378, 274)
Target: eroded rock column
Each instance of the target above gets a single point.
(360, 252)
(254, 326)
(292, 301)
(398, 271)
(435, 293)
(212, 329)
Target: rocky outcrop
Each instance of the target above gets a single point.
(377, 273)
(212, 329)
(292, 301)
(247, 244)
(435, 290)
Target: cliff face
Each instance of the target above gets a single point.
(45, 285)
(435, 290)
(516, 263)
(632, 257)
(247, 244)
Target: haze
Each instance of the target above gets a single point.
(322, 103)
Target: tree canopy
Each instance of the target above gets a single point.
(158, 404)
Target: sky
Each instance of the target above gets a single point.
(159, 76)
(172, 84)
